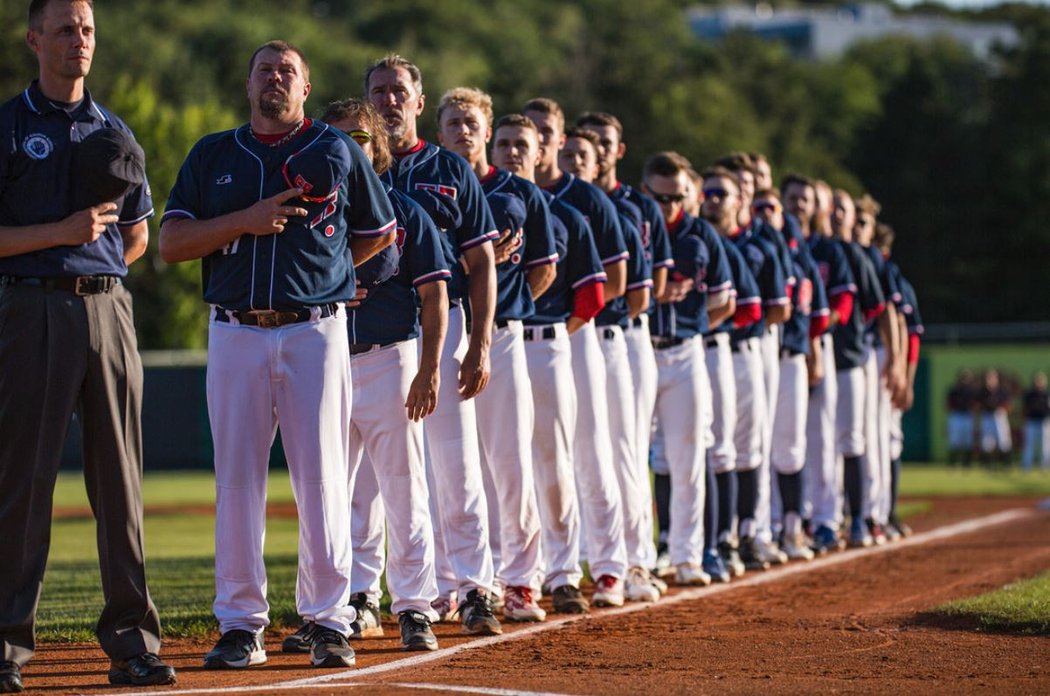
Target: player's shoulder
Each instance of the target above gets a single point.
(448, 160)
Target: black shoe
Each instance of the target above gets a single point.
(142, 670)
(569, 600)
(10, 678)
(331, 649)
(477, 615)
(299, 642)
(236, 649)
(749, 554)
(415, 631)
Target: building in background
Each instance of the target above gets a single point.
(827, 32)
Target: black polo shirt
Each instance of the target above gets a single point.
(36, 150)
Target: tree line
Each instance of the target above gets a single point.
(956, 149)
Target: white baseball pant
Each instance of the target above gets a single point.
(788, 451)
(505, 420)
(883, 424)
(872, 458)
(395, 492)
(643, 378)
(719, 359)
(298, 376)
(457, 495)
(554, 402)
(824, 480)
(601, 507)
(680, 403)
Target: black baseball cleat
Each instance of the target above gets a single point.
(299, 642)
(477, 615)
(330, 648)
(415, 631)
(142, 670)
(10, 678)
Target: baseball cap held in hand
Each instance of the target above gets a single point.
(318, 168)
(107, 164)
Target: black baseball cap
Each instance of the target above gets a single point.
(107, 164)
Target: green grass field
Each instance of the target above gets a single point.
(1020, 607)
(180, 547)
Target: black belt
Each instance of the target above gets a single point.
(272, 319)
(711, 342)
(537, 333)
(661, 343)
(789, 353)
(359, 348)
(78, 285)
(607, 332)
(636, 322)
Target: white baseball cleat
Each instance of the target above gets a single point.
(691, 574)
(639, 587)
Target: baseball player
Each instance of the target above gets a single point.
(884, 370)
(1036, 413)
(753, 409)
(722, 457)
(994, 403)
(961, 403)
(465, 127)
(850, 346)
(579, 156)
(383, 365)
(276, 269)
(642, 359)
(465, 568)
(601, 508)
(699, 295)
(573, 299)
(824, 473)
(71, 222)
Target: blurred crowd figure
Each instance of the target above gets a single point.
(979, 419)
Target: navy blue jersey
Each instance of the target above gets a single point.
(310, 262)
(808, 286)
(639, 271)
(513, 295)
(832, 264)
(746, 289)
(36, 149)
(578, 264)
(849, 337)
(428, 167)
(654, 230)
(763, 260)
(599, 212)
(910, 307)
(781, 241)
(888, 283)
(698, 254)
(389, 313)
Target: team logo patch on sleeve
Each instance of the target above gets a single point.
(38, 146)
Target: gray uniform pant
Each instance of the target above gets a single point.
(61, 353)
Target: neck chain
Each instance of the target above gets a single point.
(286, 138)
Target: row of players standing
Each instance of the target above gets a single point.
(545, 355)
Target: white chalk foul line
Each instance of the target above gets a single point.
(352, 677)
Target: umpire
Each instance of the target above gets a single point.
(73, 213)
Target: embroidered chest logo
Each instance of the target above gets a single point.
(439, 188)
(38, 146)
(224, 179)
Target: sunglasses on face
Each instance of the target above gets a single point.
(764, 207)
(360, 137)
(715, 193)
(668, 197)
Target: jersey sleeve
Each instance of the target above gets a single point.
(747, 287)
(639, 272)
(608, 234)
(719, 276)
(185, 198)
(422, 253)
(540, 248)
(584, 265)
(869, 291)
(369, 213)
(772, 280)
(840, 277)
(478, 225)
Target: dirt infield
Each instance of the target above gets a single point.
(857, 624)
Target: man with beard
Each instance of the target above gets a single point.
(277, 269)
(394, 86)
(698, 296)
(505, 415)
(601, 506)
(572, 300)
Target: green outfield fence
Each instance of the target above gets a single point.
(177, 435)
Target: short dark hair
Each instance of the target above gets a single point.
(666, 163)
(281, 47)
(737, 162)
(600, 118)
(589, 136)
(519, 120)
(545, 106)
(721, 172)
(800, 180)
(37, 7)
